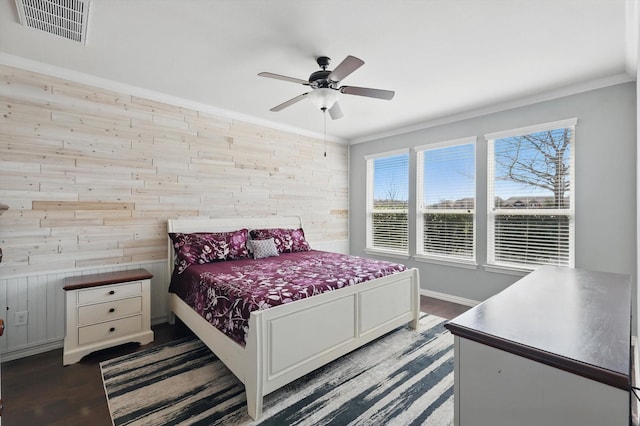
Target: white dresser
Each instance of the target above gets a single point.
(105, 310)
(552, 349)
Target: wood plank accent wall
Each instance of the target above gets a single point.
(91, 177)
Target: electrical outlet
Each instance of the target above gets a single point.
(21, 318)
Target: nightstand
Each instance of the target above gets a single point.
(105, 310)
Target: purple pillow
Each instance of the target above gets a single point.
(287, 240)
(237, 241)
(199, 248)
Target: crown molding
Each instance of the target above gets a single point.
(91, 80)
(502, 106)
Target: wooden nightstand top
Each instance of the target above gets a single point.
(106, 278)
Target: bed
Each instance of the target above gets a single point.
(285, 342)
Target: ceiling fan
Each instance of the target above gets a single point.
(325, 85)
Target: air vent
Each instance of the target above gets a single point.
(64, 18)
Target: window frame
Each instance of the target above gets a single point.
(370, 188)
(522, 268)
(421, 210)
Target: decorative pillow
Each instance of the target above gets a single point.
(198, 248)
(287, 240)
(263, 248)
(237, 241)
(192, 249)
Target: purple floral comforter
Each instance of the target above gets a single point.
(225, 293)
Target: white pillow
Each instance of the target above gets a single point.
(263, 248)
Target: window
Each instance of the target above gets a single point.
(388, 202)
(446, 179)
(531, 196)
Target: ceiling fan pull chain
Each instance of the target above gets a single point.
(324, 116)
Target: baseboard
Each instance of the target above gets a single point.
(49, 346)
(159, 320)
(33, 350)
(449, 297)
(635, 376)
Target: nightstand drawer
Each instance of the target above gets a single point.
(109, 330)
(90, 314)
(112, 292)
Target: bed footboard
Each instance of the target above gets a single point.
(291, 340)
(288, 341)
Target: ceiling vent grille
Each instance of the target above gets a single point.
(64, 18)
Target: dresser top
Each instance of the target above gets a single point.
(106, 278)
(572, 319)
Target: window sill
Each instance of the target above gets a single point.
(385, 253)
(467, 264)
(509, 270)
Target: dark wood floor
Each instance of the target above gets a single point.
(38, 390)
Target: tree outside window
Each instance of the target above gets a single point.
(531, 208)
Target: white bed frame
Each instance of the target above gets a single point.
(288, 341)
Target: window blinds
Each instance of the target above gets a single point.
(446, 200)
(387, 202)
(531, 197)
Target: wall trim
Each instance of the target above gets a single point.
(115, 266)
(502, 106)
(635, 379)
(103, 83)
(51, 346)
(32, 350)
(449, 297)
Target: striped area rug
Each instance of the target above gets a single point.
(403, 378)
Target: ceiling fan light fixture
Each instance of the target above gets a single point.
(323, 98)
(325, 86)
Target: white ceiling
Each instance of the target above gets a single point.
(443, 58)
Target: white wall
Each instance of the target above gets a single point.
(91, 176)
(605, 156)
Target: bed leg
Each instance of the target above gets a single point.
(254, 402)
(413, 324)
(415, 321)
(171, 317)
(253, 383)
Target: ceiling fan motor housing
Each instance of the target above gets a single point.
(320, 79)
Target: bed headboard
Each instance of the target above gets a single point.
(224, 224)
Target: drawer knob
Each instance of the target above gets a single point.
(112, 292)
(112, 329)
(112, 310)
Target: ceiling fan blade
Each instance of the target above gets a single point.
(365, 91)
(335, 112)
(283, 77)
(288, 103)
(346, 67)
